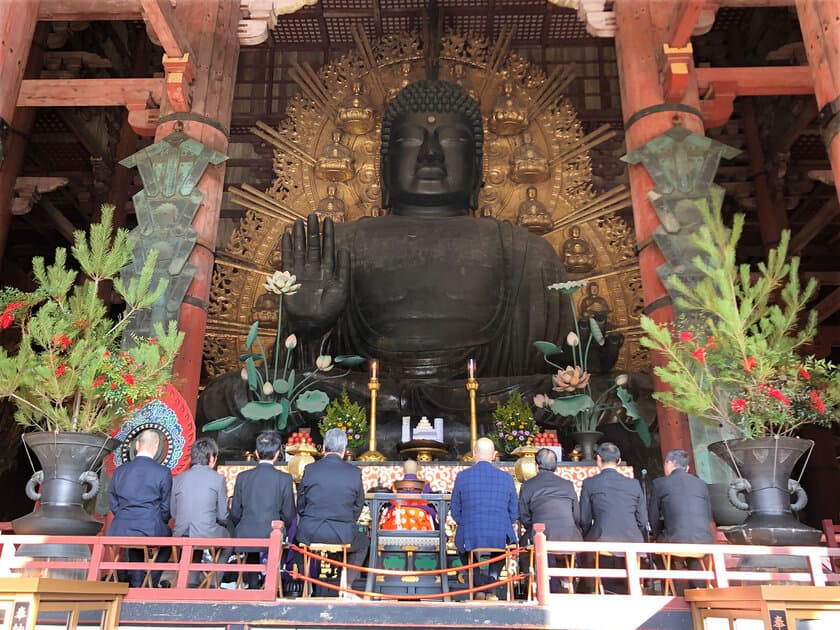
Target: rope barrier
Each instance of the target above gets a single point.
(398, 596)
(394, 572)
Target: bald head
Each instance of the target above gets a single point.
(484, 450)
(147, 443)
(409, 467)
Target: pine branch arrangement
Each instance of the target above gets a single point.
(735, 360)
(69, 372)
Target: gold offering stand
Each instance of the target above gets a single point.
(424, 451)
(302, 456)
(472, 388)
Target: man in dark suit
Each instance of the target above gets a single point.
(330, 499)
(484, 505)
(139, 499)
(612, 507)
(261, 495)
(549, 499)
(681, 501)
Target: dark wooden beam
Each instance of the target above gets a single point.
(820, 220)
(829, 305)
(87, 92)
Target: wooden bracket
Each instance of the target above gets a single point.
(675, 72)
(179, 76)
(717, 103)
(142, 117)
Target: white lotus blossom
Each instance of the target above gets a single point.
(291, 342)
(570, 286)
(621, 380)
(324, 363)
(268, 389)
(281, 283)
(573, 340)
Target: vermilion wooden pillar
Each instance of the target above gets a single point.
(210, 28)
(819, 21)
(641, 28)
(17, 29)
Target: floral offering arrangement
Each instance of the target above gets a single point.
(71, 369)
(348, 416)
(734, 359)
(513, 424)
(275, 387)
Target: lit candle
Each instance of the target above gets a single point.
(471, 368)
(374, 368)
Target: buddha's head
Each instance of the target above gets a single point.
(432, 139)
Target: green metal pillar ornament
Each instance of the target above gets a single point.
(682, 165)
(165, 208)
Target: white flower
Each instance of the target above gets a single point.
(268, 389)
(324, 363)
(281, 283)
(621, 380)
(291, 342)
(243, 374)
(572, 339)
(569, 286)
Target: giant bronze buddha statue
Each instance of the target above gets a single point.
(429, 285)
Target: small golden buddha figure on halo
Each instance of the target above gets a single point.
(593, 305)
(355, 113)
(577, 253)
(532, 213)
(459, 77)
(527, 164)
(332, 206)
(510, 115)
(336, 163)
(405, 79)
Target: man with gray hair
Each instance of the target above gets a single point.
(330, 499)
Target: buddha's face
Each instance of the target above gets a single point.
(431, 164)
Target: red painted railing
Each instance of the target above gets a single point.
(103, 561)
(726, 567)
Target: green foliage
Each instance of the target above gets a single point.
(69, 372)
(348, 416)
(734, 359)
(513, 424)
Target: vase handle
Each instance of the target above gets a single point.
(801, 496)
(737, 488)
(89, 477)
(35, 480)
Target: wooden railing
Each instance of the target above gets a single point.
(104, 562)
(726, 567)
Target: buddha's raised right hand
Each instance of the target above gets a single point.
(324, 281)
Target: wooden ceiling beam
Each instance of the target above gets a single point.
(87, 92)
(829, 305)
(89, 10)
(760, 80)
(684, 21)
(821, 219)
(160, 16)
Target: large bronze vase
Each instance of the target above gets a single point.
(67, 478)
(587, 440)
(763, 486)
